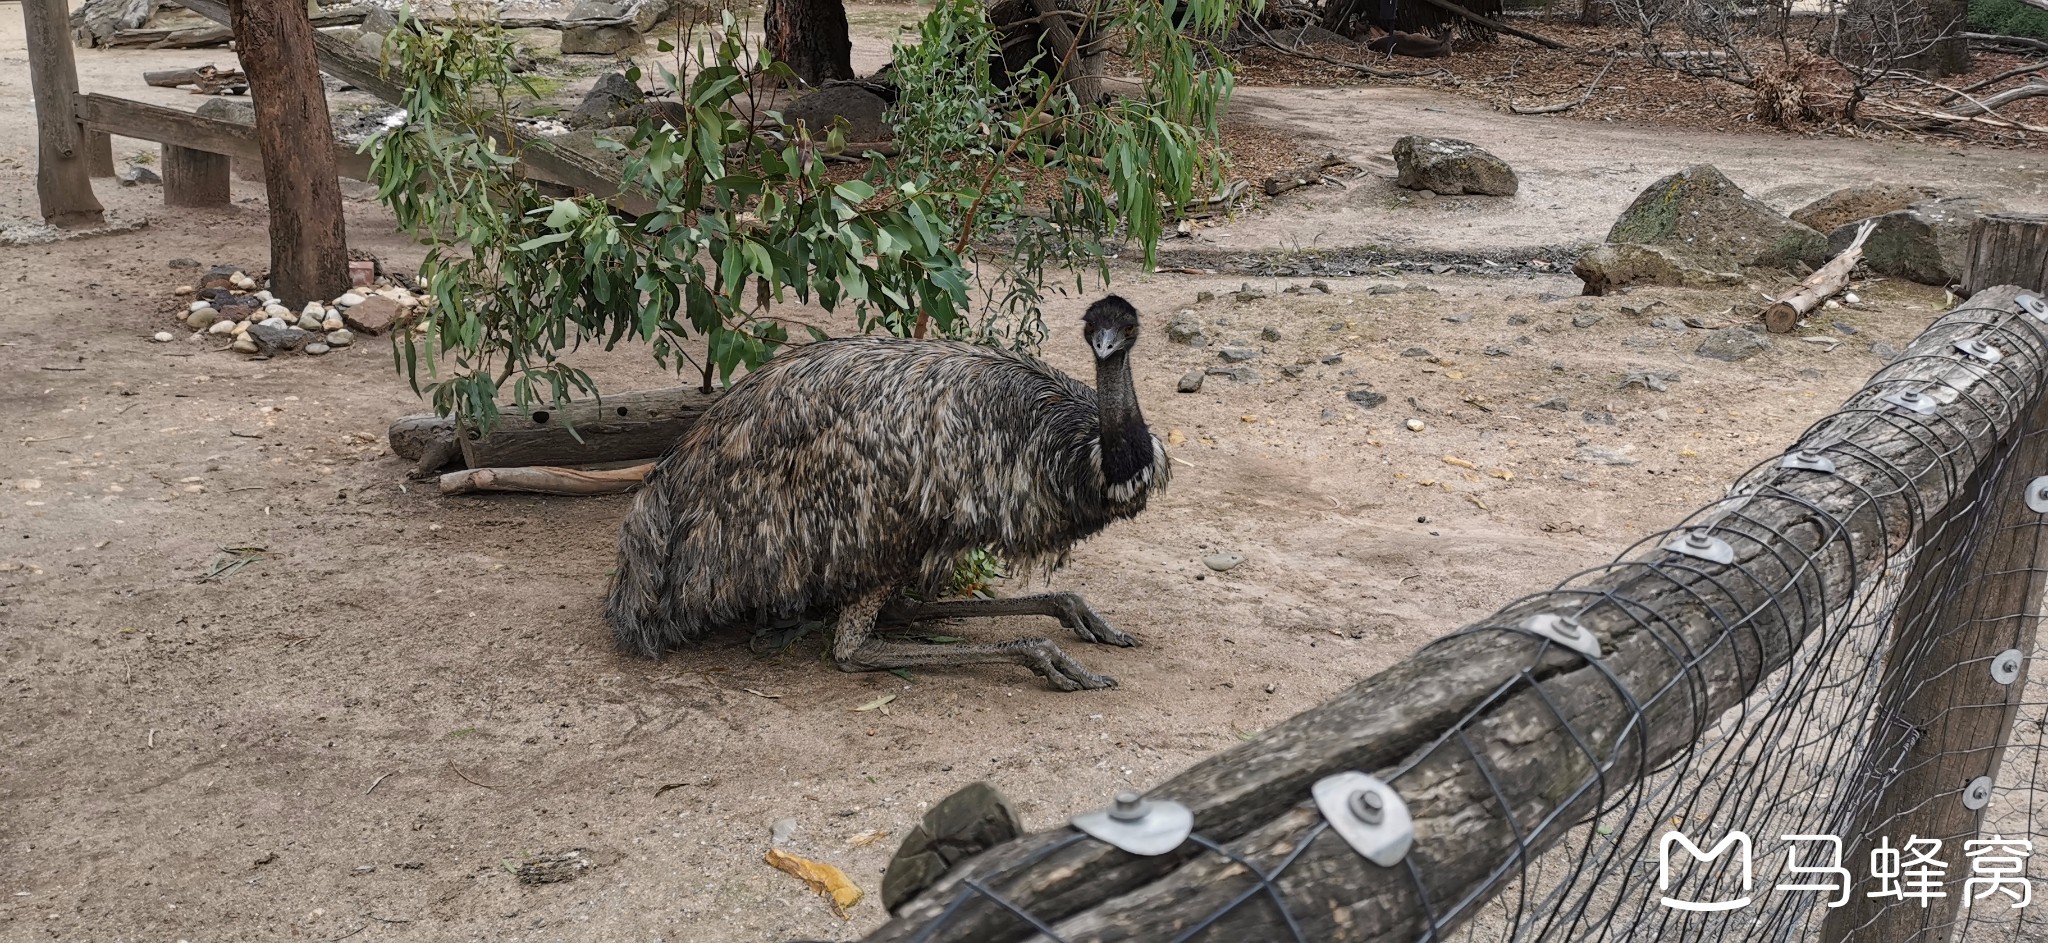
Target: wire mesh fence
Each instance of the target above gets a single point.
(1804, 713)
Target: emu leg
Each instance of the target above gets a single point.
(1072, 611)
(854, 649)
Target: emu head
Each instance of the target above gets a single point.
(1111, 326)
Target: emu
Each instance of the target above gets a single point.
(846, 472)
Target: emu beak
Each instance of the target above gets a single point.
(1105, 343)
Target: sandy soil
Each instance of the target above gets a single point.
(361, 734)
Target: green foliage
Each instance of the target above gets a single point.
(2008, 18)
(746, 215)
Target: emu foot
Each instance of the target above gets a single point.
(1072, 611)
(1040, 655)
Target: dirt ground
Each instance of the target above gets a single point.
(362, 734)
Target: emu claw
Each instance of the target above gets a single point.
(1086, 623)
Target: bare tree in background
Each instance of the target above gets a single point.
(1883, 40)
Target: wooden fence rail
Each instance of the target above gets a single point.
(1501, 738)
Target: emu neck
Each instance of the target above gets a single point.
(1126, 443)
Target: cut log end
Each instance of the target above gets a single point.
(1780, 318)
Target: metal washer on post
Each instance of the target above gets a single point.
(2005, 669)
(1977, 794)
(1138, 825)
(1565, 631)
(1368, 814)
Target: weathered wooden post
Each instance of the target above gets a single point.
(195, 178)
(63, 170)
(99, 153)
(1953, 683)
(308, 242)
(2007, 249)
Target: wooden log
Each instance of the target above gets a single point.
(195, 178)
(1490, 23)
(63, 165)
(538, 156)
(1974, 592)
(149, 122)
(1311, 172)
(99, 153)
(1783, 314)
(1821, 537)
(308, 242)
(2008, 249)
(619, 427)
(543, 479)
(196, 37)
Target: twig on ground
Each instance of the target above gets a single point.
(1591, 87)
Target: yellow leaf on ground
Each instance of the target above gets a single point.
(830, 882)
(1175, 437)
(877, 702)
(1502, 474)
(1461, 463)
(867, 838)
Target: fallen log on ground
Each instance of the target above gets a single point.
(204, 79)
(621, 427)
(544, 479)
(1311, 172)
(1782, 315)
(1490, 23)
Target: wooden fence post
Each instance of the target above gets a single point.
(63, 171)
(1948, 697)
(2007, 249)
(194, 177)
(308, 241)
(99, 153)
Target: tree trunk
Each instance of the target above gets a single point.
(811, 37)
(2008, 249)
(1935, 43)
(308, 243)
(194, 177)
(63, 164)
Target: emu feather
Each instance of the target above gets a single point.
(845, 472)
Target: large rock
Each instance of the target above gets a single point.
(1451, 167)
(1927, 242)
(609, 103)
(599, 40)
(1612, 266)
(1851, 204)
(1733, 344)
(239, 111)
(865, 113)
(1705, 216)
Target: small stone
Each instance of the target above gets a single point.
(1237, 354)
(1733, 345)
(349, 300)
(240, 328)
(316, 348)
(1293, 370)
(222, 327)
(1459, 318)
(1384, 290)
(1417, 352)
(1203, 297)
(136, 176)
(1237, 374)
(244, 345)
(333, 323)
(279, 311)
(1320, 285)
(182, 263)
(1597, 418)
(1190, 382)
(1841, 328)
(1415, 425)
(1331, 360)
(1248, 292)
(1186, 328)
(266, 297)
(1221, 562)
(274, 322)
(1495, 350)
(781, 831)
(1518, 319)
(1654, 380)
(1557, 403)
(308, 322)
(161, 337)
(1668, 323)
(314, 308)
(1269, 333)
(199, 306)
(200, 318)
(1596, 455)
(1586, 320)
(1366, 399)
(1849, 298)
(1640, 308)
(243, 282)
(1884, 351)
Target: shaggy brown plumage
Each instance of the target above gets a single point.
(846, 471)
